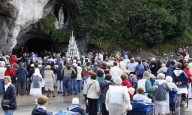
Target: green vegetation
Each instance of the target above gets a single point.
(59, 35)
(128, 23)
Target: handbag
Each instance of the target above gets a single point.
(6, 101)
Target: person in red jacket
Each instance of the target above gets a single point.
(11, 72)
(12, 59)
(189, 75)
(125, 82)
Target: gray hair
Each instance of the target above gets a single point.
(169, 79)
(118, 81)
(146, 74)
(160, 76)
(8, 78)
(75, 101)
(153, 59)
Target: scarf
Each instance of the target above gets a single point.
(6, 86)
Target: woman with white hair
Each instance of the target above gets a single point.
(161, 95)
(75, 107)
(117, 99)
(170, 83)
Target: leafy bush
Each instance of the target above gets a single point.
(157, 20)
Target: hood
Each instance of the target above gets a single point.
(177, 72)
(72, 106)
(38, 110)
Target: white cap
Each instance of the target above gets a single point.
(75, 101)
(32, 65)
(74, 61)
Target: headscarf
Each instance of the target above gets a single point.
(37, 72)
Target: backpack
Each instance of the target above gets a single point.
(36, 81)
(160, 92)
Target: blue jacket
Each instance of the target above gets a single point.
(59, 72)
(180, 76)
(140, 69)
(10, 94)
(21, 75)
(58, 61)
(37, 110)
(76, 108)
(170, 70)
(100, 80)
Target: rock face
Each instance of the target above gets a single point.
(18, 15)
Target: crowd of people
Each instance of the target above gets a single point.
(108, 82)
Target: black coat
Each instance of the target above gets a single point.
(10, 94)
(104, 89)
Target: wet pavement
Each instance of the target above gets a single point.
(26, 103)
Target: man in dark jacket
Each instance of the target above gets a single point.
(8, 102)
(171, 68)
(154, 66)
(21, 77)
(104, 88)
(73, 78)
(60, 78)
(24, 59)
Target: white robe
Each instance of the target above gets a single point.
(117, 105)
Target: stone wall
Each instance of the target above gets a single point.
(18, 15)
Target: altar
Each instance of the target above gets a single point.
(72, 51)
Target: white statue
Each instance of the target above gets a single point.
(61, 16)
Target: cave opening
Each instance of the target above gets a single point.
(37, 45)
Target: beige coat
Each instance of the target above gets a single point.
(93, 89)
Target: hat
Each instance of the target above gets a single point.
(74, 61)
(32, 65)
(75, 101)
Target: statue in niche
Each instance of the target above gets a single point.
(61, 16)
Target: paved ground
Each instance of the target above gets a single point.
(26, 103)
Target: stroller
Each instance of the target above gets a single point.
(173, 102)
(141, 108)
